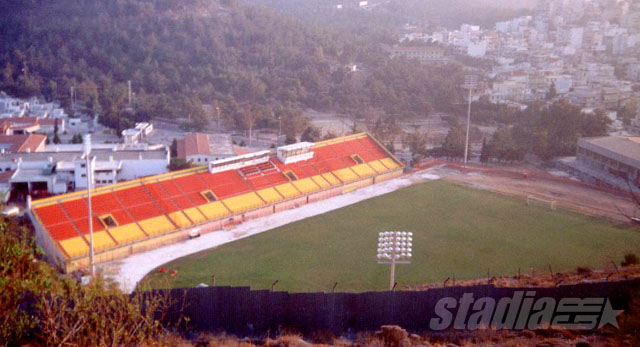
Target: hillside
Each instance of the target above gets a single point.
(250, 61)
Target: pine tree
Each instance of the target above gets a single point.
(485, 152)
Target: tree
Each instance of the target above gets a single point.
(310, 134)
(453, 145)
(485, 152)
(56, 138)
(174, 148)
(551, 93)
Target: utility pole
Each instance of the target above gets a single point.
(470, 81)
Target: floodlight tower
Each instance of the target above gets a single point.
(394, 247)
(470, 82)
(87, 156)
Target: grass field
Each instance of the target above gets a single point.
(457, 231)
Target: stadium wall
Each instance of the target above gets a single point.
(56, 256)
(244, 312)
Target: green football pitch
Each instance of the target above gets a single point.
(458, 231)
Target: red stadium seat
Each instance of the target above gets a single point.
(51, 215)
(63, 231)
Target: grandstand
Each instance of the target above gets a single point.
(138, 215)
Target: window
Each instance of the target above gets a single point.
(290, 175)
(357, 159)
(108, 221)
(207, 194)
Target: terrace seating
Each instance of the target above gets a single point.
(63, 231)
(287, 190)
(388, 162)
(378, 166)
(276, 178)
(127, 233)
(180, 219)
(51, 214)
(82, 224)
(331, 178)
(101, 240)
(195, 215)
(306, 185)
(363, 170)
(156, 225)
(131, 196)
(76, 208)
(145, 211)
(75, 246)
(259, 182)
(214, 210)
(191, 183)
(346, 175)
(321, 182)
(243, 202)
(372, 148)
(270, 195)
(225, 184)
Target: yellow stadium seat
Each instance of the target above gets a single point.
(75, 246)
(331, 178)
(243, 202)
(346, 175)
(306, 185)
(388, 162)
(101, 240)
(214, 210)
(126, 233)
(364, 170)
(378, 166)
(179, 219)
(321, 182)
(269, 195)
(156, 225)
(195, 215)
(287, 190)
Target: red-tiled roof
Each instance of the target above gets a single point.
(22, 143)
(194, 144)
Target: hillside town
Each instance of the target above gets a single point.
(585, 52)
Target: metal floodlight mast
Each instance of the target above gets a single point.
(87, 156)
(394, 247)
(470, 82)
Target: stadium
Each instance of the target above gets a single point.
(144, 214)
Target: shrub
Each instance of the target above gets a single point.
(630, 259)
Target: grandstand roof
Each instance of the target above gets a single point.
(136, 210)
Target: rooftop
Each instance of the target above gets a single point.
(627, 147)
(194, 144)
(22, 143)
